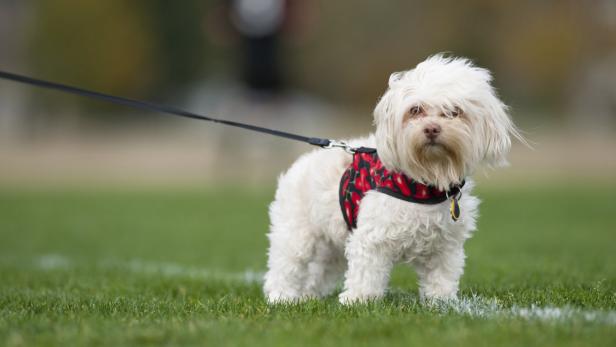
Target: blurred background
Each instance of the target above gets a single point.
(313, 67)
(121, 227)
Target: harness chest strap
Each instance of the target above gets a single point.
(366, 173)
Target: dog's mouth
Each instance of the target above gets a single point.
(434, 145)
(438, 161)
(433, 149)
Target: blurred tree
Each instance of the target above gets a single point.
(142, 49)
(103, 45)
(178, 37)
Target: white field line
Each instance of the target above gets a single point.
(473, 306)
(480, 307)
(59, 262)
(176, 270)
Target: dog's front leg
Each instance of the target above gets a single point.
(439, 275)
(370, 261)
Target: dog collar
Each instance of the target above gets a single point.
(366, 173)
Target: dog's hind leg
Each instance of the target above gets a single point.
(287, 268)
(325, 269)
(301, 268)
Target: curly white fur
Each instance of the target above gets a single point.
(310, 246)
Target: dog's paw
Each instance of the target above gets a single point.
(438, 296)
(349, 298)
(438, 301)
(441, 292)
(275, 298)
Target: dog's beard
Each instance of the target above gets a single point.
(440, 162)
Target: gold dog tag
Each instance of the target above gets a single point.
(454, 209)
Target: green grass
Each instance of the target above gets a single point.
(165, 267)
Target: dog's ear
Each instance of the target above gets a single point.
(494, 125)
(386, 124)
(497, 128)
(384, 108)
(395, 77)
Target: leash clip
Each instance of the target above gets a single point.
(340, 144)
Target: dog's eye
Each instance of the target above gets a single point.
(416, 111)
(456, 112)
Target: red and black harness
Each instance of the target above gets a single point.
(366, 172)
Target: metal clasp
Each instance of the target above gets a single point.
(456, 196)
(340, 144)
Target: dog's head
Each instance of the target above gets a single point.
(439, 121)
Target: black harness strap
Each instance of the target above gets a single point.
(149, 106)
(433, 200)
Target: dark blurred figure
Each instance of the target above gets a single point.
(260, 24)
(259, 27)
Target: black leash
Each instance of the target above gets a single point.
(149, 106)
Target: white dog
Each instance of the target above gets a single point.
(435, 125)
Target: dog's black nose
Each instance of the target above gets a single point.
(432, 130)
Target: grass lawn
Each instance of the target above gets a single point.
(162, 267)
